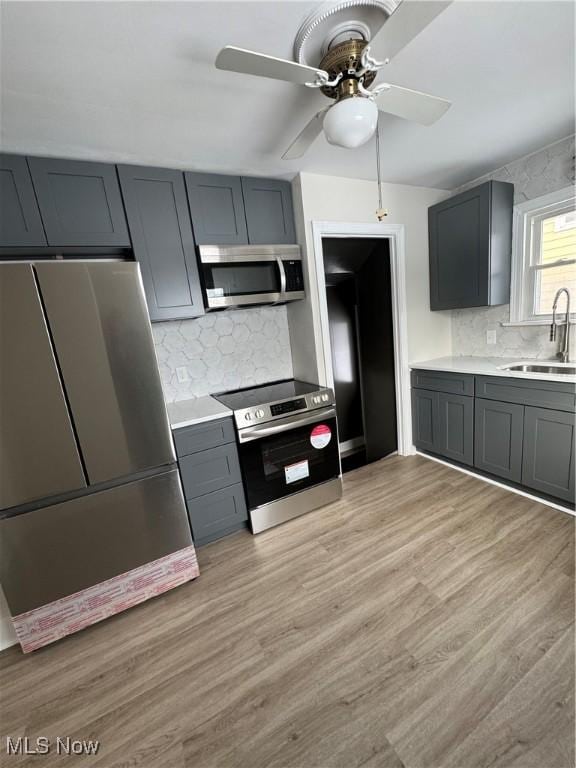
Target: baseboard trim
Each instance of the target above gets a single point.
(510, 488)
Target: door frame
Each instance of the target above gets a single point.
(395, 234)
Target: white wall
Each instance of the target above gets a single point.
(334, 198)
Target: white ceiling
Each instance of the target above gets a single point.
(135, 82)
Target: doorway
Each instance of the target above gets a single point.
(359, 301)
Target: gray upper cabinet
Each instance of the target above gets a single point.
(470, 238)
(20, 222)
(80, 203)
(162, 239)
(548, 462)
(269, 211)
(217, 209)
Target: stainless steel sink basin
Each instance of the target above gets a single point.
(554, 370)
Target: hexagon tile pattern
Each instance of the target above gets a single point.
(222, 351)
(534, 175)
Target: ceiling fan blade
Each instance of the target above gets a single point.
(306, 137)
(260, 64)
(412, 105)
(407, 21)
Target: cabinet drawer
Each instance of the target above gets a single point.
(199, 437)
(440, 381)
(210, 470)
(217, 514)
(560, 395)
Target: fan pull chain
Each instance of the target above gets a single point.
(381, 212)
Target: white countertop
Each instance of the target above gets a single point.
(490, 366)
(184, 413)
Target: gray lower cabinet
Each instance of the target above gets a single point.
(204, 436)
(425, 419)
(217, 514)
(548, 462)
(211, 478)
(455, 431)
(20, 222)
(162, 239)
(269, 211)
(442, 418)
(498, 431)
(217, 209)
(80, 202)
(519, 430)
(210, 470)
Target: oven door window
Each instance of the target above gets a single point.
(289, 462)
(241, 278)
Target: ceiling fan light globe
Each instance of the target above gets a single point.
(351, 122)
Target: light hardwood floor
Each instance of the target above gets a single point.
(426, 620)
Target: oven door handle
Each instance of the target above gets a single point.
(247, 434)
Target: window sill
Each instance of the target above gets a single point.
(535, 323)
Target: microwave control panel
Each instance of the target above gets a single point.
(294, 277)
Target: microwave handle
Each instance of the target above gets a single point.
(248, 434)
(282, 272)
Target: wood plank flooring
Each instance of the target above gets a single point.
(424, 621)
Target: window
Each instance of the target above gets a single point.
(544, 257)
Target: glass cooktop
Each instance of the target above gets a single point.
(265, 393)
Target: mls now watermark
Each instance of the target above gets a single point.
(42, 745)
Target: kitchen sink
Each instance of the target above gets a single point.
(551, 369)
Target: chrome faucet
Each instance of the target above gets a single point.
(564, 353)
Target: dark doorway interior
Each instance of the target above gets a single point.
(359, 297)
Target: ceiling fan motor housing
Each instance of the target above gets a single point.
(345, 58)
(334, 35)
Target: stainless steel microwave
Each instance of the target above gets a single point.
(244, 275)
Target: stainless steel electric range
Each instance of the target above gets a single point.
(288, 445)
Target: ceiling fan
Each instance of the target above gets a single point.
(344, 37)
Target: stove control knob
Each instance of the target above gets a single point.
(259, 413)
(325, 397)
(248, 416)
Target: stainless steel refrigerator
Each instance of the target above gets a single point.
(89, 487)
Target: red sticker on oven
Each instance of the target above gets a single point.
(321, 436)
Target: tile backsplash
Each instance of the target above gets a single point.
(469, 328)
(222, 351)
(548, 170)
